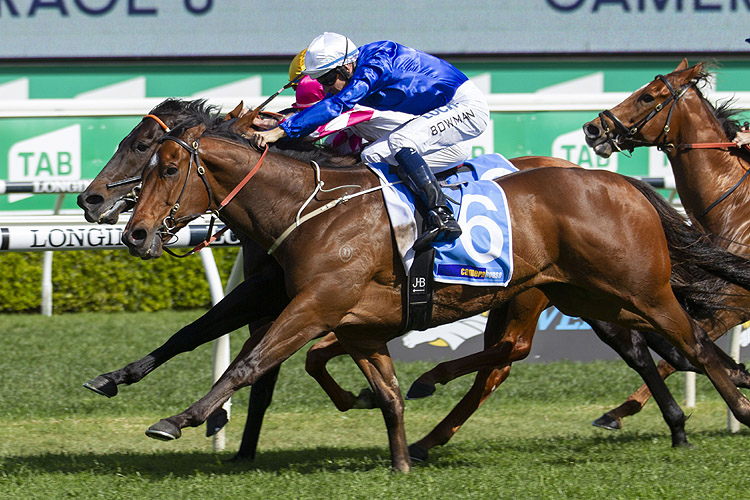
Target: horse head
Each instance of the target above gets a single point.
(645, 118)
(115, 188)
(174, 192)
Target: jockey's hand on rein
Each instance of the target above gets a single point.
(261, 139)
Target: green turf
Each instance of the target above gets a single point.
(531, 440)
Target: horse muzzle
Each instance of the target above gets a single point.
(598, 139)
(143, 243)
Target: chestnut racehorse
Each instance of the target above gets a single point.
(670, 113)
(573, 233)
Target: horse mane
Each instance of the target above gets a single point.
(293, 148)
(182, 109)
(723, 111)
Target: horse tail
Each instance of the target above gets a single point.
(701, 270)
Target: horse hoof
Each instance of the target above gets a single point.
(418, 454)
(365, 400)
(420, 390)
(216, 422)
(607, 422)
(164, 430)
(102, 385)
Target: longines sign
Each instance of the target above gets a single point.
(181, 28)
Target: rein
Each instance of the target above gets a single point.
(170, 222)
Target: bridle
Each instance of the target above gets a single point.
(627, 133)
(665, 146)
(133, 194)
(171, 224)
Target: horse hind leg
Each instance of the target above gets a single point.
(687, 335)
(507, 337)
(632, 347)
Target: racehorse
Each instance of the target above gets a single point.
(515, 324)
(671, 113)
(115, 189)
(571, 241)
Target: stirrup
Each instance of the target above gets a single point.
(443, 227)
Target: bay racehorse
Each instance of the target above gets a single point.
(258, 298)
(671, 113)
(574, 231)
(112, 191)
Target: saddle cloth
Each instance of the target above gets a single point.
(483, 255)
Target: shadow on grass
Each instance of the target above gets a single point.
(173, 464)
(604, 448)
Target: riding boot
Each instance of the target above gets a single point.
(441, 226)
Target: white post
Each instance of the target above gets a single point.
(733, 425)
(689, 389)
(47, 269)
(221, 345)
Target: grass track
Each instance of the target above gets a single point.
(531, 440)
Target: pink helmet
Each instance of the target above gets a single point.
(308, 92)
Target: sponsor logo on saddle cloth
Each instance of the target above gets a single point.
(483, 255)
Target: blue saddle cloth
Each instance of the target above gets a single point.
(483, 255)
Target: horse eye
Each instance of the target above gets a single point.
(647, 98)
(171, 171)
(141, 147)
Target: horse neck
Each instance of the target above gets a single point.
(703, 175)
(269, 203)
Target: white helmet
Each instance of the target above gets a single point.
(328, 51)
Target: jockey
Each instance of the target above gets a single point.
(349, 132)
(449, 110)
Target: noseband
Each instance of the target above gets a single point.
(625, 133)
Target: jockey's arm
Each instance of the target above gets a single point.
(261, 139)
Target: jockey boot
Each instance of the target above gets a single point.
(441, 226)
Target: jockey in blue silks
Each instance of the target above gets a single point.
(449, 111)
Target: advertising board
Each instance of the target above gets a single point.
(220, 28)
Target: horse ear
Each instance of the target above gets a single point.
(236, 112)
(683, 65)
(244, 125)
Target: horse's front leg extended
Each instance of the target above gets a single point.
(297, 325)
(251, 301)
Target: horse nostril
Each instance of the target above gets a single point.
(136, 235)
(591, 130)
(90, 200)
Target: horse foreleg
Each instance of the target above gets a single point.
(260, 399)
(250, 301)
(319, 354)
(377, 366)
(484, 385)
(294, 327)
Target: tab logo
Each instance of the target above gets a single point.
(55, 155)
(572, 147)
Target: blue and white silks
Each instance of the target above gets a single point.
(483, 255)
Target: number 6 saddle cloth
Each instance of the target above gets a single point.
(483, 254)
